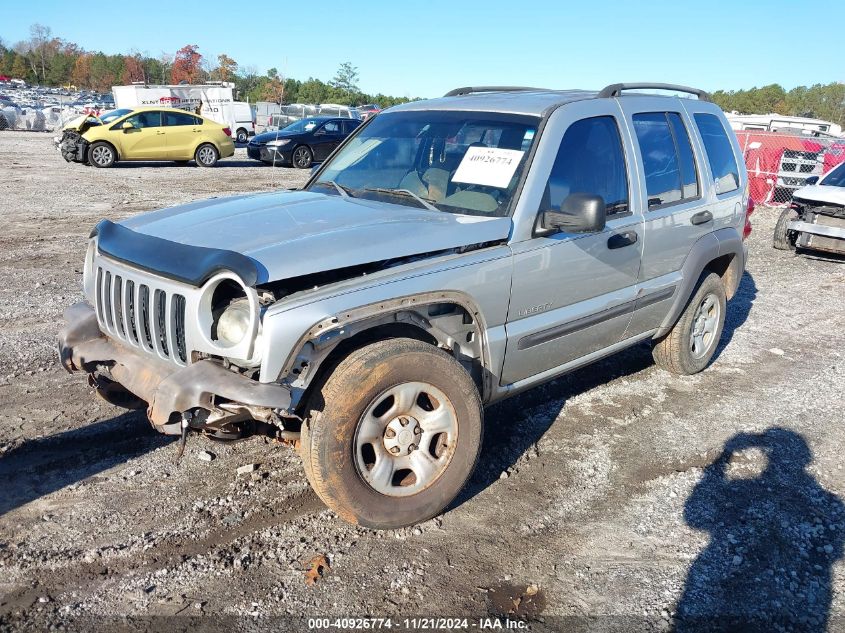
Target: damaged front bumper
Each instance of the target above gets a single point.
(72, 146)
(827, 233)
(170, 391)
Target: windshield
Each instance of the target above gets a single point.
(303, 125)
(108, 117)
(835, 178)
(458, 162)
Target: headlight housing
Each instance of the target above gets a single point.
(88, 271)
(228, 315)
(232, 324)
(278, 143)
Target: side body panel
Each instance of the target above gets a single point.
(572, 294)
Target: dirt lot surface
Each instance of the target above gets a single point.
(617, 498)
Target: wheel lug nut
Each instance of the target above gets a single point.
(412, 448)
(417, 430)
(390, 433)
(403, 421)
(394, 450)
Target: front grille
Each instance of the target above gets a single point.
(138, 313)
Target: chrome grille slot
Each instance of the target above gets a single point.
(99, 291)
(149, 316)
(144, 316)
(179, 327)
(107, 303)
(129, 312)
(160, 322)
(117, 305)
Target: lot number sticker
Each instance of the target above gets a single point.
(489, 166)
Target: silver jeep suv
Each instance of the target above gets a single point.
(450, 253)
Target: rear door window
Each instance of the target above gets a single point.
(689, 174)
(660, 158)
(720, 154)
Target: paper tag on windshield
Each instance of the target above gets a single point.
(489, 166)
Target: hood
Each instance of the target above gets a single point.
(294, 233)
(825, 194)
(266, 137)
(81, 123)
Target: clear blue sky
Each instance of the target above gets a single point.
(426, 47)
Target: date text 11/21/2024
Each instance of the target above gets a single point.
(418, 624)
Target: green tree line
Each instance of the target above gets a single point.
(52, 61)
(819, 101)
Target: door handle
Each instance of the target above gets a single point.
(621, 240)
(702, 217)
(159, 132)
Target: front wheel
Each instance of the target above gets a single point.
(784, 239)
(691, 343)
(302, 157)
(206, 155)
(393, 434)
(101, 155)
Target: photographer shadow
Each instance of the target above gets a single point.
(774, 538)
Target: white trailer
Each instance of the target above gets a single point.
(215, 101)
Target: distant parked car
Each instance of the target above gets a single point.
(244, 121)
(371, 109)
(815, 220)
(145, 134)
(339, 111)
(302, 143)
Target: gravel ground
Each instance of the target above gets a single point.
(617, 498)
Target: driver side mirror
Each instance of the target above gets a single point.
(579, 213)
(811, 180)
(127, 125)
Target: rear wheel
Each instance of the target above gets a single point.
(302, 157)
(393, 434)
(206, 155)
(241, 136)
(784, 239)
(690, 345)
(101, 154)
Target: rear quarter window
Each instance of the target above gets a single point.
(720, 154)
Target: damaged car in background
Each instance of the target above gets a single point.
(815, 219)
(449, 254)
(144, 133)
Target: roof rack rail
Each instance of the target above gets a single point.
(468, 90)
(615, 90)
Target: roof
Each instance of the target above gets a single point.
(534, 101)
(531, 101)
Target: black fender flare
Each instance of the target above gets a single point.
(721, 251)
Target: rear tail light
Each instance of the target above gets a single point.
(227, 131)
(746, 230)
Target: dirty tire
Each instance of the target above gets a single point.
(674, 352)
(241, 136)
(337, 410)
(302, 157)
(101, 154)
(782, 239)
(4, 123)
(206, 155)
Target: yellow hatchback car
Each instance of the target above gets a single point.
(155, 134)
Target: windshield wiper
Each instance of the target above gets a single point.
(343, 191)
(405, 192)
